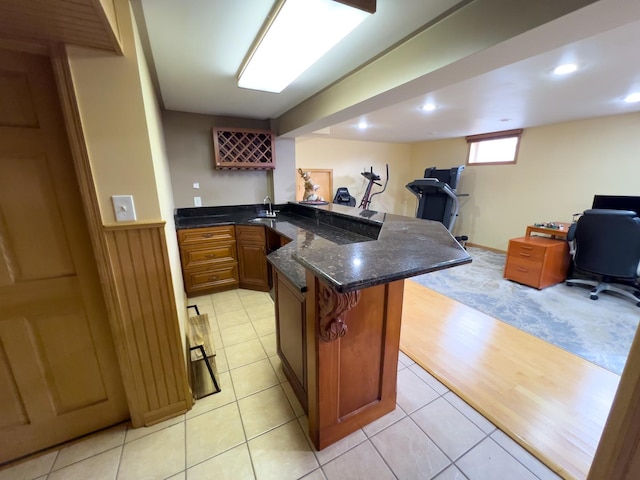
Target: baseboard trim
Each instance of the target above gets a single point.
(494, 250)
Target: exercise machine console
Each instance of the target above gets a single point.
(437, 196)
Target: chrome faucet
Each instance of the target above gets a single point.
(270, 212)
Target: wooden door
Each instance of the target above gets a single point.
(323, 178)
(59, 376)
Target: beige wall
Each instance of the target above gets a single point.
(349, 158)
(114, 123)
(124, 136)
(163, 184)
(560, 167)
(189, 143)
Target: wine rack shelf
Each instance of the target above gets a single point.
(244, 149)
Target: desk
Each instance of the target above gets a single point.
(553, 232)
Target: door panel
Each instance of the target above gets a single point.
(59, 376)
(321, 177)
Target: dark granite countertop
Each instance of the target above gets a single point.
(347, 247)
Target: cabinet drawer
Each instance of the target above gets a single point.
(250, 234)
(522, 270)
(197, 255)
(208, 278)
(526, 250)
(210, 234)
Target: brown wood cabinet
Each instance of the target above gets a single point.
(352, 357)
(291, 334)
(253, 273)
(209, 259)
(537, 261)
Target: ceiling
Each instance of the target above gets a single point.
(197, 46)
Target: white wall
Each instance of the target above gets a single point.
(284, 175)
(349, 158)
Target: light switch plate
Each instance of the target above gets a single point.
(197, 201)
(196, 185)
(123, 207)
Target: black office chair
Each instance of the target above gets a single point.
(606, 244)
(343, 197)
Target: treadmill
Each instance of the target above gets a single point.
(437, 196)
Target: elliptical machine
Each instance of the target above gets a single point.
(372, 177)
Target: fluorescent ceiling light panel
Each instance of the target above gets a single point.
(301, 32)
(565, 69)
(632, 98)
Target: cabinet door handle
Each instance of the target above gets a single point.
(520, 269)
(213, 278)
(526, 247)
(524, 254)
(207, 235)
(210, 255)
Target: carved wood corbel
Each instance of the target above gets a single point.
(333, 307)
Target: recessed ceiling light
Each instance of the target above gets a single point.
(565, 69)
(362, 125)
(429, 107)
(632, 98)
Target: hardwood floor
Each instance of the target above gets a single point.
(553, 403)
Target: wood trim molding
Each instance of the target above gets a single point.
(490, 249)
(333, 308)
(155, 269)
(618, 453)
(132, 226)
(366, 5)
(26, 46)
(79, 152)
(146, 305)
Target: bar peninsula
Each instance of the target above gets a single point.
(338, 277)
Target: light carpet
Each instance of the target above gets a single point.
(599, 331)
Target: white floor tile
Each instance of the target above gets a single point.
(485, 425)
(282, 454)
(103, 466)
(234, 464)
(86, 447)
(539, 469)
(254, 377)
(212, 433)
(29, 468)
(489, 461)
(413, 393)
(454, 433)
(158, 455)
(360, 462)
(264, 411)
(409, 452)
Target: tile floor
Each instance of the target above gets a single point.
(255, 428)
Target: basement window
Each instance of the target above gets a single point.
(497, 148)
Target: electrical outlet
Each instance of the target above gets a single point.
(123, 208)
(197, 201)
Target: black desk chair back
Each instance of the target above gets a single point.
(343, 197)
(607, 246)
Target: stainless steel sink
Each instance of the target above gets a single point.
(263, 220)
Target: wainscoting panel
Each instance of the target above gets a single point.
(139, 262)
